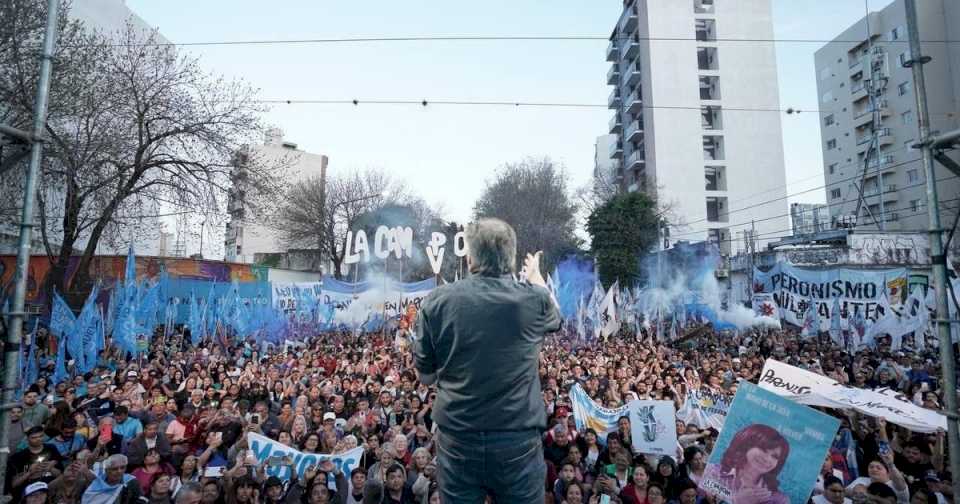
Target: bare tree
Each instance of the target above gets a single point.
(533, 197)
(132, 123)
(317, 216)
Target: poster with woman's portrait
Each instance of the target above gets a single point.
(770, 450)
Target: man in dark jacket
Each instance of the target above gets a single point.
(479, 341)
(151, 437)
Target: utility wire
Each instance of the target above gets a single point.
(496, 38)
(921, 184)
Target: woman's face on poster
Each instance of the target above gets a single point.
(763, 461)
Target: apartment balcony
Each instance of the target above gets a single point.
(613, 75)
(856, 67)
(616, 150)
(885, 136)
(612, 53)
(634, 132)
(613, 101)
(634, 102)
(616, 126)
(633, 74)
(858, 92)
(629, 24)
(862, 119)
(633, 49)
(636, 160)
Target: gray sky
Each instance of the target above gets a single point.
(447, 152)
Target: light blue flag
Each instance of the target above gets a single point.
(811, 323)
(148, 307)
(62, 319)
(195, 321)
(31, 369)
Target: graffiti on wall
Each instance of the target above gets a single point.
(816, 257)
(886, 249)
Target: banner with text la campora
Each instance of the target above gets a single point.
(859, 291)
(264, 447)
(770, 449)
(805, 387)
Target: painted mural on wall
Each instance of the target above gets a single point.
(111, 268)
(887, 249)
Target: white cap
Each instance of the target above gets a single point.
(33, 488)
(329, 416)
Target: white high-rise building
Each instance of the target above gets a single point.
(247, 234)
(870, 118)
(678, 82)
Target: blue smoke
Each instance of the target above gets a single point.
(574, 278)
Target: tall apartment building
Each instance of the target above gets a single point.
(869, 116)
(248, 234)
(679, 76)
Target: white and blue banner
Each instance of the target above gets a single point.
(589, 414)
(705, 408)
(653, 427)
(263, 448)
(770, 449)
(859, 291)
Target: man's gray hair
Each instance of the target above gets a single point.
(189, 490)
(117, 460)
(492, 247)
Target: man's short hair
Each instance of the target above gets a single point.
(492, 247)
(121, 410)
(395, 468)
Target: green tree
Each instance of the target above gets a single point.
(621, 230)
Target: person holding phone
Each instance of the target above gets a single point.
(37, 462)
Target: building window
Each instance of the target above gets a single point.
(903, 58)
(834, 193)
(706, 30)
(903, 88)
(828, 121)
(709, 87)
(915, 205)
(707, 58)
(710, 118)
(831, 144)
(896, 33)
(703, 6)
(713, 178)
(907, 118)
(713, 148)
(832, 168)
(913, 175)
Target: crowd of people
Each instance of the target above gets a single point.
(170, 425)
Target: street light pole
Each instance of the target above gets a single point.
(11, 350)
(938, 257)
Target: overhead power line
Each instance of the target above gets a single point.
(501, 38)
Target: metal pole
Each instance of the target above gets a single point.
(938, 257)
(11, 350)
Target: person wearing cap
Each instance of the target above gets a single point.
(114, 486)
(37, 462)
(36, 493)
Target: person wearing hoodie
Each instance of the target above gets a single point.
(114, 485)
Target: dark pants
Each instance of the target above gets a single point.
(509, 465)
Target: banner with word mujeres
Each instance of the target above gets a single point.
(264, 448)
(653, 427)
(705, 408)
(859, 291)
(805, 387)
(770, 449)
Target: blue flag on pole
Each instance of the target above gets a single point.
(60, 369)
(62, 318)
